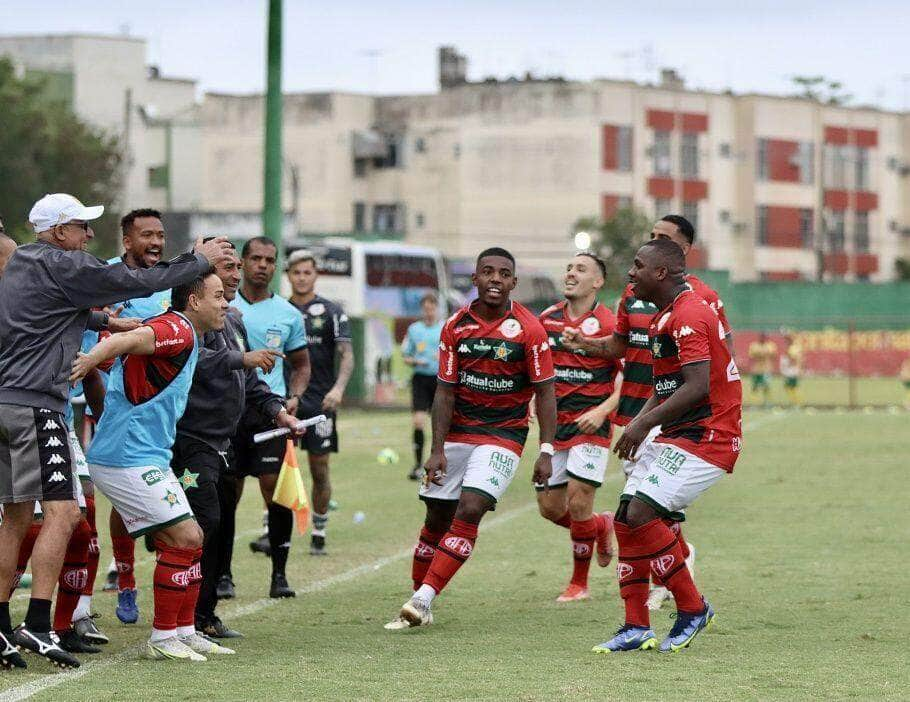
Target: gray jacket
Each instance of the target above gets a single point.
(45, 297)
(222, 387)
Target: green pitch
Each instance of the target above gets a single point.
(802, 552)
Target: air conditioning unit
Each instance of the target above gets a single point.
(724, 216)
(725, 150)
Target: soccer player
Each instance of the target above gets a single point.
(584, 400)
(129, 458)
(697, 403)
(420, 349)
(328, 335)
(46, 294)
(791, 368)
(762, 355)
(493, 356)
(275, 324)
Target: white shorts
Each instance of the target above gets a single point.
(628, 467)
(670, 479)
(484, 469)
(147, 498)
(584, 462)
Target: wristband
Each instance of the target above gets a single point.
(547, 449)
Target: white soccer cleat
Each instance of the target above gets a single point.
(205, 646)
(656, 598)
(397, 624)
(416, 613)
(171, 649)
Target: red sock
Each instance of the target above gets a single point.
(423, 554)
(125, 557)
(453, 550)
(582, 534)
(72, 578)
(564, 521)
(637, 548)
(187, 614)
(677, 578)
(171, 581)
(676, 528)
(94, 551)
(25, 553)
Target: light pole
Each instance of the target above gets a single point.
(271, 206)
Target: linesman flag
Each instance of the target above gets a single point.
(290, 491)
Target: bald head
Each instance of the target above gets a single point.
(658, 270)
(7, 247)
(669, 255)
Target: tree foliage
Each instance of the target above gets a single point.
(46, 148)
(616, 240)
(821, 89)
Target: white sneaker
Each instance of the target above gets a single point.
(171, 649)
(397, 624)
(201, 644)
(416, 613)
(656, 598)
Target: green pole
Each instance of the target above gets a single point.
(271, 209)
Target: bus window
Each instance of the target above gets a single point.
(400, 271)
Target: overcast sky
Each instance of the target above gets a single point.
(389, 46)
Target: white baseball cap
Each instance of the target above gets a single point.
(60, 208)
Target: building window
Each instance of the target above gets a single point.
(805, 161)
(761, 224)
(158, 176)
(624, 202)
(861, 232)
(806, 226)
(661, 153)
(834, 230)
(387, 219)
(662, 207)
(624, 149)
(861, 171)
(837, 157)
(360, 216)
(420, 146)
(690, 212)
(688, 155)
(419, 220)
(762, 170)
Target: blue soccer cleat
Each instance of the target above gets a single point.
(686, 628)
(628, 638)
(127, 608)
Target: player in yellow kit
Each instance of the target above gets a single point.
(791, 368)
(762, 354)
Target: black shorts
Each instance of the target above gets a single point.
(198, 467)
(35, 460)
(423, 390)
(257, 459)
(323, 437)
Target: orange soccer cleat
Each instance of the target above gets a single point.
(605, 548)
(574, 593)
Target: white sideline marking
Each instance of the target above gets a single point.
(22, 692)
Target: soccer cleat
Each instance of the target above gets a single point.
(45, 644)
(628, 638)
(686, 627)
(657, 596)
(205, 646)
(574, 593)
(9, 653)
(217, 629)
(262, 545)
(127, 607)
(73, 643)
(225, 588)
(86, 628)
(110, 581)
(280, 587)
(171, 649)
(605, 550)
(317, 545)
(416, 613)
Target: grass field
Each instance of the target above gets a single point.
(802, 553)
(825, 391)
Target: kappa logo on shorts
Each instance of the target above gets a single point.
(44, 411)
(662, 565)
(590, 467)
(76, 579)
(653, 479)
(56, 459)
(56, 477)
(459, 545)
(623, 571)
(152, 476)
(580, 549)
(53, 442)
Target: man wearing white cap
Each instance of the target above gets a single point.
(46, 293)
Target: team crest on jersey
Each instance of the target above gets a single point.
(317, 322)
(316, 309)
(170, 499)
(590, 326)
(502, 352)
(510, 328)
(655, 348)
(273, 339)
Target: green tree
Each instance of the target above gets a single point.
(46, 148)
(821, 89)
(616, 240)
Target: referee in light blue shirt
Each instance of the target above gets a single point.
(421, 351)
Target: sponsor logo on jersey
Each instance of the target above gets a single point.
(536, 350)
(638, 338)
(623, 571)
(56, 477)
(574, 375)
(466, 327)
(152, 476)
(486, 383)
(317, 322)
(590, 326)
(662, 564)
(167, 342)
(459, 545)
(666, 386)
(510, 328)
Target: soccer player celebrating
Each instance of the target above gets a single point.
(129, 459)
(274, 324)
(493, 356)
(328, 335)
(420, 350)
(584, 401)
(697, 403)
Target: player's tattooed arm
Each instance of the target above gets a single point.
(441, 419)
(613, 346)
(140, 341)
(333, 397)
(300, 377)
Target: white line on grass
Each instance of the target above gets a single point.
(51, 680)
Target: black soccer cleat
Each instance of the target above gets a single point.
(45, 644)
(110, 581)
(86, 628)
(262, 545)
(225, 588)
(217, 629)
(280, 587)
(71, 642)
(9, 653)
(317, 545)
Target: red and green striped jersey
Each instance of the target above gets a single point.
(493, 366)
(633, 317)
(582, 382)
(689, 331)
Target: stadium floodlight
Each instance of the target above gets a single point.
(582, 240)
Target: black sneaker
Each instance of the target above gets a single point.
(86, 628)
(262, 545)
(9, 653)
(45, 644)
(110, 582)
(317, 545)
(216, 629)
(280, 587)
(73, 643)
(225, 588)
